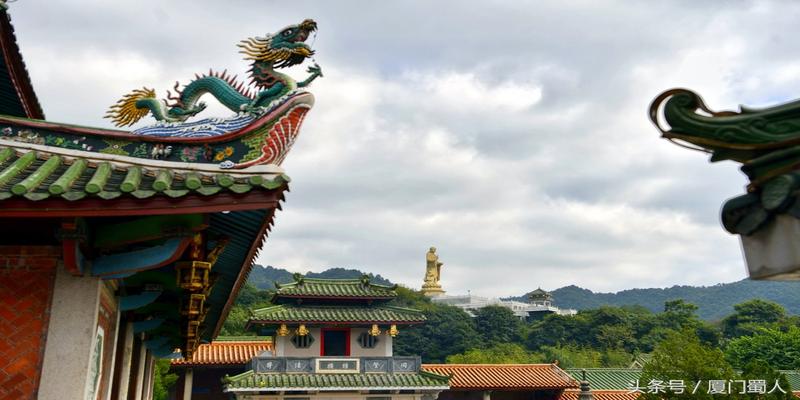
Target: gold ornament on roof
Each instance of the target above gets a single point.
(374, 331)
(302, 331)
(393, 331)
(283, 330)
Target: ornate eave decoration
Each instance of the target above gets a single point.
(766, 141)
(189, 188)
(268, 113)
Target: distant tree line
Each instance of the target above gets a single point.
(602, 337)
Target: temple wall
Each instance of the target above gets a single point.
(285, 348)
(382, 349)
(27, 275)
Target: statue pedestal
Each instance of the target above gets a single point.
(432, 290)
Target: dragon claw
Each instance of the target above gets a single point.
(315, 69)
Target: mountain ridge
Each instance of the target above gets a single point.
(714, 302)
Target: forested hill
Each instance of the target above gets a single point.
(264, 277)
(714, 302)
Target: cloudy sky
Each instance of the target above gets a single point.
(512, 135)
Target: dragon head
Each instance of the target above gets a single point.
(283, 48)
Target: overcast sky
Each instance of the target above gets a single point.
(511, 135)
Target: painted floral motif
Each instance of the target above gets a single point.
(223, 153)
(115, 147)
(160, 151)
(74, 144)
(190, 154)
(140, 151)
(29, 136)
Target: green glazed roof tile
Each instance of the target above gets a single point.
(294, 381)
(338, 288)
(607, 378)
(793, 377)
(39, 175)
(335, 314)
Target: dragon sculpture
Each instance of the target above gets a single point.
(283, 49)
(766, 141)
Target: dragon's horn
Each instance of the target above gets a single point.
(125, 112)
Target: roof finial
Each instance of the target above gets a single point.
(586, 390)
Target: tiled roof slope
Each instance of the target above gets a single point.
(607, 378)
(251, 381)
(225, 352)
(503, 376)
(41, 175)
(336, 314)
(338, 288)
(17, 96)
(574, 394)
(793, 377)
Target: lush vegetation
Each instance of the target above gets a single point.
(714, 302)
(756, 337)
(757, 331)
(163, 379)
(264, 278)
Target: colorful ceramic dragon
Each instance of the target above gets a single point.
(279, 50)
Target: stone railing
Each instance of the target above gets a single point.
(338, 365)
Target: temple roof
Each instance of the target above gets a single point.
(259, 382)
(793, 377)
(17, 97)
(226, 351)
(607, 378)
(334, 288)
(39, 175)
(145, 207)
(315, 314)
(503, 376)
(574, 394)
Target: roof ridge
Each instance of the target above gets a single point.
(243, 375)
(603, 369)
(276, 306)
(398, 308)
(489, 365)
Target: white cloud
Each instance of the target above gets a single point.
(512, 136)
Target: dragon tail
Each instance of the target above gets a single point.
(128, 110)
(182, 95)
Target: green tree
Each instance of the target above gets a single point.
(777, 348)
(758, 369)
(411, 298)
(500, 353)
(235, 323)
(682, 356)
(448, 330)
(497, 324)
(163, 379)
(678, 314)
(555, 330)
(572, 356)
(751, 316)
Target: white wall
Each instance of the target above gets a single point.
(382, 349)
(285, 348)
